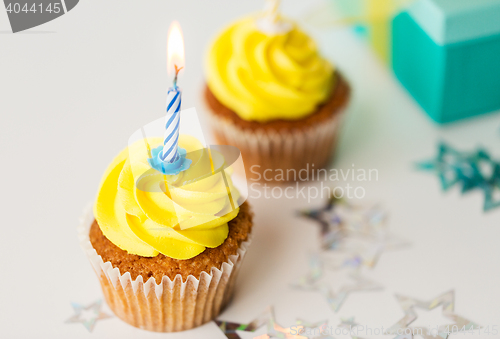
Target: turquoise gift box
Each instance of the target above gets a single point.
(447, 55)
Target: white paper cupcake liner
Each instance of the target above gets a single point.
(173, 305)
(309, 148)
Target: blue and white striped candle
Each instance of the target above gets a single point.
(172, 123)
(175, 62)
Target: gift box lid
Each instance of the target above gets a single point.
(450, 21)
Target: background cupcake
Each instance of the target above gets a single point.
(272, 95)
(166, 248)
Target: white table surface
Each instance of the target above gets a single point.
(73, 90)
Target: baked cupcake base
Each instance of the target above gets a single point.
(282, 145)
(164, 294)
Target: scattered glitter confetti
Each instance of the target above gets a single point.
(360, 231)
(317, 330)
(230, 328)
(347, 323)
(352, 237)
(88, 315)
(470, 170)
(312, 281)
(300, 330)
(492, 190)
(336, 300)
(447, 301)
(313, 275)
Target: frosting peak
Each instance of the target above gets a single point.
(263, 76)
(145, 212)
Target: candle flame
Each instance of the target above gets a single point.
(175, 49)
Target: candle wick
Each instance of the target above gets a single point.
(177, 69)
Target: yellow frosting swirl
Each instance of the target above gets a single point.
(137, 213)
(265, 77)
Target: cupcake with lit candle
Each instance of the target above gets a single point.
(271, 94)
(168, 230)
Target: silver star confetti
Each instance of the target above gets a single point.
(230, 328)
(336, 300)
(317, 330)
(274, 330)
(88, 315)
(312, 282)
(447, 301)
(349, 324)
(359, 231)
(313, 275)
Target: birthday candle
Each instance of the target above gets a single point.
(175, 59)
(271, 22)
(172, 123)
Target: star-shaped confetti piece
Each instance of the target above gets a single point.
(489, 198)
(230, 328)
(360, 231)
(331, 230)
(449, 165)
(337, 299)
(350, 325)
(347, 323)
(312, 281)
(318, 330)
(313, 275)
(88, 315)
(472, 170)
(447, 301)
(273, 329)
(492, 189)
